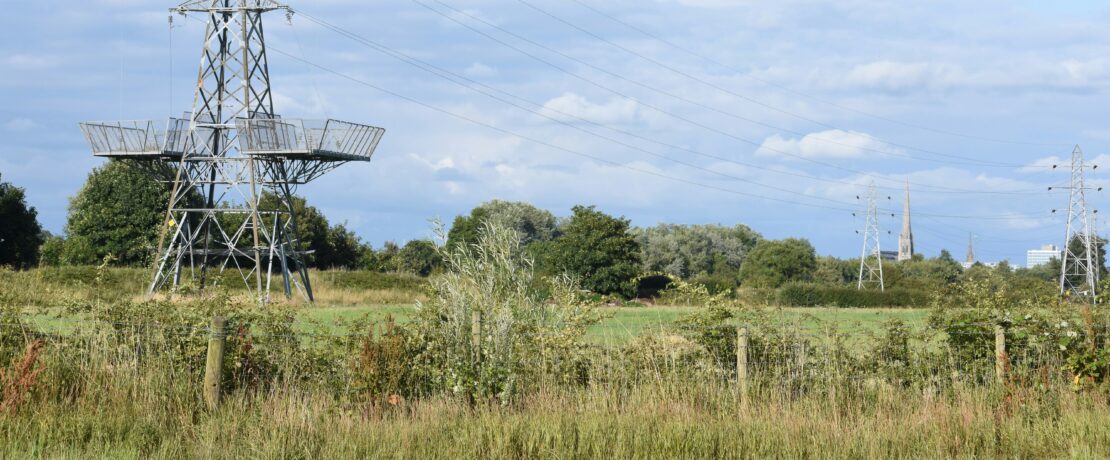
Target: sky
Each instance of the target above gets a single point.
(776, 115)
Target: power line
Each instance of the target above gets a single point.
(664, 111)
(542, 142)
(800, 93)
(470, 83)
(723, 89)
(441, 72)
(589, 156)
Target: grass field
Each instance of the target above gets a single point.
(623, 323)
(128, 383)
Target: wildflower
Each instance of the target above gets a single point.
(1073, 334)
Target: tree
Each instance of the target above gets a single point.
(342, 249)
(1098, 244)
(117, 212)
(691, 250)
(531, 223)
(774, 262)
(20, 232)
(420, 257)
(831, 270)
(51, 251)
(383, 260)
(597, 248)
(329, 246)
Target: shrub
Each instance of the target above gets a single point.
(813, 295)
(485, 331)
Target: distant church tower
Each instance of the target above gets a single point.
(905, 239)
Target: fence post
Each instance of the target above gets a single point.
(742, 362)
(213, 367)
(1000, 353)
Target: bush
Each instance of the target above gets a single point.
(485, 334)
(344, 279)
(814, 295)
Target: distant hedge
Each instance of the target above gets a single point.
(355, 279)
(813, 295)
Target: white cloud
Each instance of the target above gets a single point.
(1056, 164)
(29, 62)
(833, 143)
(570, 106)
(478, 69)
(900, 76)
(20, 124)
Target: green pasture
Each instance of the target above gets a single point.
(622, 323)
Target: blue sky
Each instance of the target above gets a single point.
(797, 107)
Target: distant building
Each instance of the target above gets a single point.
(905, 239)
(888, 255)
(1035, 257)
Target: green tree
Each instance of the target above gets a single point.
(598, 249)
(831, 270)
(774, 262)
(692, 250)
(329, 246)
(1098, 244)
(531, 223)
(117, 212)
(20, 232)
(51, 251)
(342, 249)
(421, 257)
(382, 260)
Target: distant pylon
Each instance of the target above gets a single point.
(871, 259)
(1078, 270)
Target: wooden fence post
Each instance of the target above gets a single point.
(742, 362)
(1000, 354)
(213, 368)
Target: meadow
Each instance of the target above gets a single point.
(92, 369)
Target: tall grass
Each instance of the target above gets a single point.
(489, 370)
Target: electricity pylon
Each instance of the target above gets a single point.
(1079, 268)
(871, 259)
(237, 163)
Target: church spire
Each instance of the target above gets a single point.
(970, 254)
(905, 239)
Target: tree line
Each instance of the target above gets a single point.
(117, 213)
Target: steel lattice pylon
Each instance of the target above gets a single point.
(871, 259)
(230, 153)
(1078, 269)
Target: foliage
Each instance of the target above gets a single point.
(52, 251)
(597, 249)
(20, 233)
(691, 250)
(421, 257)
(1077, 246)
(710, 329)
(679, 292)
(118, 211)
(483, 331)
(833, 271)
(343, 249)
(817, 295)
(774, 262)
(531, 223)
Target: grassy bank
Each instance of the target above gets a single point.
(668, 420)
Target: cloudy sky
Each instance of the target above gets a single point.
(774, 114)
